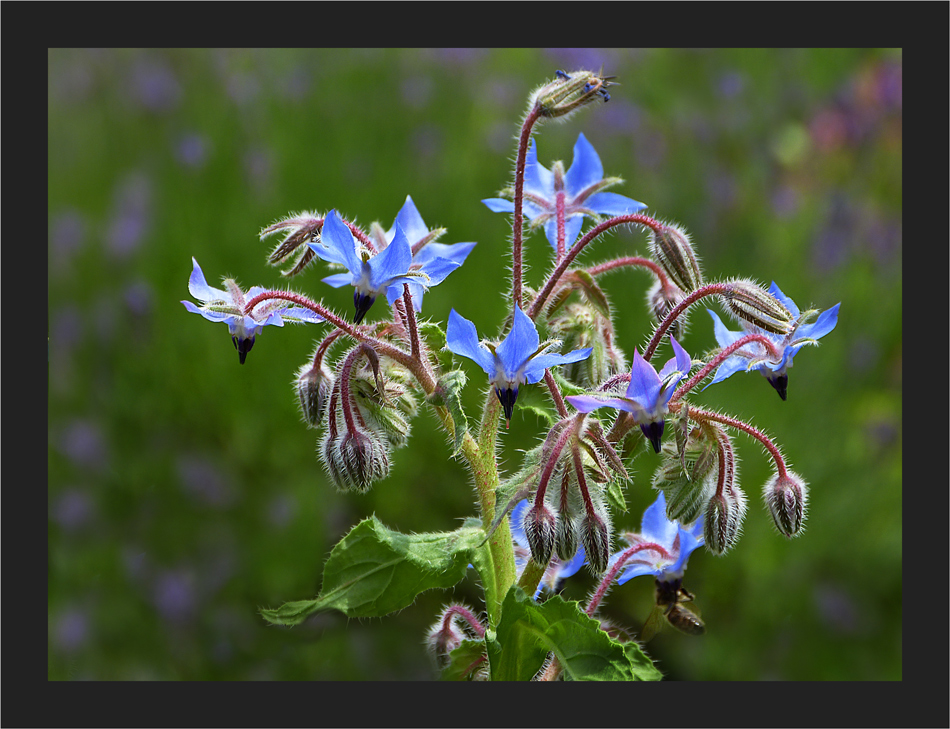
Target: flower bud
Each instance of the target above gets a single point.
(749, 301)
(387, 412)
(580, 326)
(448, 632)
(687, 477)
(787, 498)
(313, 390)
(725, 513)
(540, 526)
(566, 540)
(661, 301)
(568, 92)
(355, 459)
(299, 230)
(595, 535)
(670, 247)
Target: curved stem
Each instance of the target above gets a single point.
(699, 415)
(703, 291)
(538, 304)
(518, 222)
(611, 575)
(414, 365)
(724, 354)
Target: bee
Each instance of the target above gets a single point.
(670, 597)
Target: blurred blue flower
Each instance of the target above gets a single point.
(648, 393)
(557, 569)
(372, 274)
(228, 306)
(518, 359)
(435, 260)
(754, 356)
(661, 548)
(581, 186)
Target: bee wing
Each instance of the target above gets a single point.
(651, 625)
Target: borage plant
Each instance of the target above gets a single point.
(537, 526)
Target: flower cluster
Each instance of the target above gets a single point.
(367, 380)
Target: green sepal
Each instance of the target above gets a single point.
(374, 571)
(528, 631)
(447, 394)
(595, 295)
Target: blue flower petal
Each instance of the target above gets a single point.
(824, 324)
(534, 370)
(611, 204)
(572, 228)
(461, 338)
(656, 527)
(520, 344)
(337, 245)
(589, 403)
(586, 168)
(645, 383)
(787, 302)
(409, 219)
(499, 205)
(390, 263)
(538, 179)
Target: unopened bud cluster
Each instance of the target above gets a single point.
(569, 92)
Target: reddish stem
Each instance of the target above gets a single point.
(618, 567)
(703, 291)
(699, 415)
(538, 304)
(518, 223)
(721, 357)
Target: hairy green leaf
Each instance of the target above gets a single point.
(528, 631)
(374, 571)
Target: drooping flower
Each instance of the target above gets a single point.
(435, 260)
(229, 306)
(661, 548)
(517, 360)
(648, 394)
(582, 189)
(557, 570)
(370, 274)
(754, 356)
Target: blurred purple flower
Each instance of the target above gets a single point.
(71, 630)
(204, 482)
(83, 443)
(173, 594)
(281, 510)
(67, 234)
(138, 298)
(131, 215)
(154, 85)
(258, 164)
(730, 84)
(191, 150)
(416, 91)
(243, 88)
(72, 509)
(785, 201)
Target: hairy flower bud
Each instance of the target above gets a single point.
(661, 301)
(313, 389)
(569, 92)
(671, 248)
(787, 498)
(566, 539)
(750, 302)
(540, 526)
(354, 458)
(387, 412)
(580, 326)
(725, 513)
(595, 536)
(456, 623)
(299, 229)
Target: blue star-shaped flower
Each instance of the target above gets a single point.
(754, 356)
(582, 186)
(369, 274)
(675, 541)
(648, 393)
(228, 306)
(557, 569)
(435, 260)
(518, 359)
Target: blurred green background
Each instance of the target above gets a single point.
(184, 492)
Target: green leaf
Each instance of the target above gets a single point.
(374, 571)
(528, 631)
(464, 660)
(448, 394)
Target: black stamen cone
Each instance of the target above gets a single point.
(780, 383)
(653, 432)
(243, 346)
(507, 399)
(363, 302)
